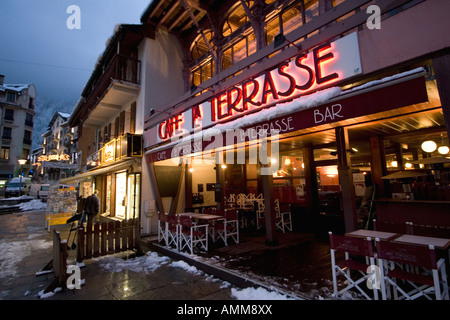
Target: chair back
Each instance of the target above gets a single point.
(172, 219)
(352, 245)
(415, 255)
(185, 221)
(231, 214)
(162, 217)
(210, 210)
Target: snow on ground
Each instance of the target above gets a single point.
(151, 261)
(13, 253)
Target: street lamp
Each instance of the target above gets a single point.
(21, 163)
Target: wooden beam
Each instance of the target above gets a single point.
(154, 182)
(174, 204)
(346, 180)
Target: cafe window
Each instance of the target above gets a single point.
(236, 18)
(203, 72)
(284, 22)
(239, 50)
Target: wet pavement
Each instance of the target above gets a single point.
(26, 247)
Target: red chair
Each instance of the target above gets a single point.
(228, 227)
(191, 235)
(393, 258)
(172, 233)
(356, 251)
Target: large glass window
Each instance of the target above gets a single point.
(239, 50)
(204, 69)
(236, 19)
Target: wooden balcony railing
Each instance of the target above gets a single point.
(121, 67)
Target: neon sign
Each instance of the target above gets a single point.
(326, 64)
(57, 157)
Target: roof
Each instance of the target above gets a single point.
(14, 87)
(173, 15)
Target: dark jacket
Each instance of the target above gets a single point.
(92, 205)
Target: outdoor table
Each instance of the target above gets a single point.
(363, 233)
(439, 243)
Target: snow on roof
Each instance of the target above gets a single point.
(16, 87)
(64, 115)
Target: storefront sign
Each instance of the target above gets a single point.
(377, 100)
(57, 157)
(109, 151)
(324, 65)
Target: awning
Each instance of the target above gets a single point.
(96, 172)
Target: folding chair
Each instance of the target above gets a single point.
(283, 217)
(260, 214)
(229, 227)
(393, 256)
(191, 235)
(355, 249)
(172, 232)
(162, 225)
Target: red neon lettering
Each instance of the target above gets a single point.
(268, 88)
(169, 126)
(320, 59)
(196, 114)
(291, 79)
(298, 63)
(161, 130)
(246, 99)
(221, 102)
(233, 104)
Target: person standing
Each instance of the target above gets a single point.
(92, 207)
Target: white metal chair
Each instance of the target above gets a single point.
(191, 235)
(393, 256)
(359, 257)
(228, 227)
(283, 217)
(172, 232)
(260, 222)
(162, 225)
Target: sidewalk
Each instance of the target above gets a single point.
(26, 247)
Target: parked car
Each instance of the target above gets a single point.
(43, 191)
(18, 186)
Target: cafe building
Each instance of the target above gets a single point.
(318, 104)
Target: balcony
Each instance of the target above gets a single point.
(126, 146)
(109, 87)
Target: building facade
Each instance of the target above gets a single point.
(57, 159)
(109, 122)
(311, 102)
(17, 104)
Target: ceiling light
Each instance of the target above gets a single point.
(443, 149)
(429, 146)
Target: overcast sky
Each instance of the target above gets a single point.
(36, 46)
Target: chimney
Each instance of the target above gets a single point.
(2, 79)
